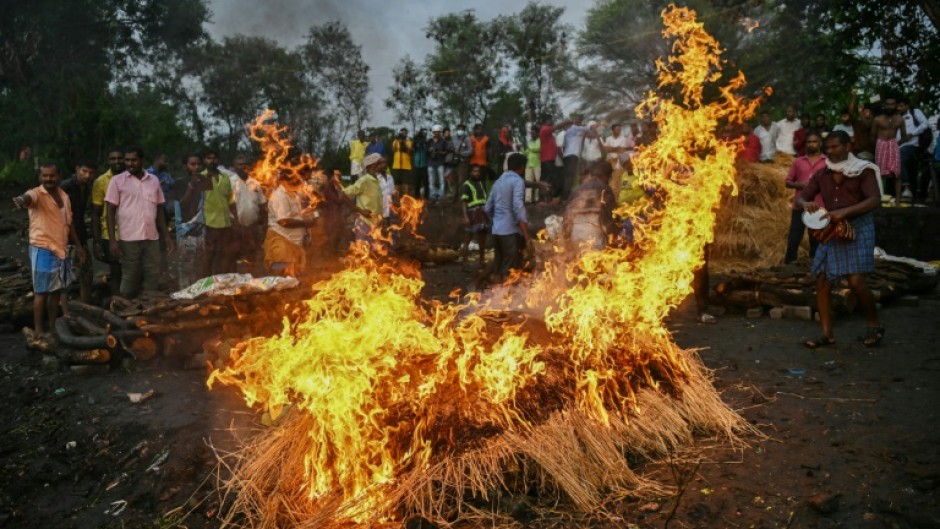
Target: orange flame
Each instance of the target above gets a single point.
(388, 378)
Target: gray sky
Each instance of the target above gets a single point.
(386, 31)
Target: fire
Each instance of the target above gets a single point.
(279, 158)
(388, 381)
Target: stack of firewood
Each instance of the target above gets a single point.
(792, 285)
(16, 291)
(147, 326)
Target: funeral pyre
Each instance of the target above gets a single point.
(387, 405)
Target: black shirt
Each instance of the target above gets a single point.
(80, 197)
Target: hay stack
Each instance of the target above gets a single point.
(751, 228)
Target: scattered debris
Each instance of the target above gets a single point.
(137, 398)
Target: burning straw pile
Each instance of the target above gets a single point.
(389, 406)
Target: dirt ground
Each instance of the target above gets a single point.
(849, 433)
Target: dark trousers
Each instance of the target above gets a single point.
(421, 183)
(114, 266)
(909, 166)
(571, 174)
(795, 237)
(551, 175)
(141, 260)
(508, 253)
(221, 249)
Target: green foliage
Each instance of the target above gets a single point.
(410, 94)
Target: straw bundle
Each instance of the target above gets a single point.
(751, 228)
(570, 461)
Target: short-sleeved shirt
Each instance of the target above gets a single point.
(801, 170)
(768, 139)
(357, 150)
(479, 150)
(837, 196)
(368, 194)
(48, 223)
(98, 190)
(137, 200)
(533, 153)
(785, 130)
(547, 141)
(401, 157)
(216, 202)
(574, 138)
(285, 204)
(249, 198)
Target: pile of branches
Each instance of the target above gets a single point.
(793, 285)
(146, 326)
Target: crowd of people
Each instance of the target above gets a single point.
(224, 220)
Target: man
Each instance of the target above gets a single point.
(357, 151)
(375, 145)
(767, 132)
(462, 148)
(801, 170)
(216, 196)
(402, 149)
(250, 215)
(571, 153)
(589, 215)
(850, 192)
(617, 147)
(475, 221)
(479, 143)
(389, 190)
(750, 149)
(820, 126)
(886, 128)
(799, 137)
(915, 122)
(50, 230)
(533, 166)
(420, 164)
(786, 127)
(367, 193)
(438, 148)
(845, 124)
(863, 144)
(135, 205)
(288, 222)
(189, 223)
(99, 218)
(506, 207)
(592, 150)
(159, 169)
(78, 189)
(547, 155)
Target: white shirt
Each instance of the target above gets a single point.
(249, 198)
(845, 128)
(591, 150)
(784, 141)
(768, 139)
(387, 184)
(913, 129)
(285, 205)
(619, 142)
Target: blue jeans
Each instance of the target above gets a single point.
(797, 230)
(436, 182)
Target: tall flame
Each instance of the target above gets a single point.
(390, 380)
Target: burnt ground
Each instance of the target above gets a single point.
(849, 433)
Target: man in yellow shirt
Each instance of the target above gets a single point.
(99, 227)
(368, 195)
(357, 151)
(402, 148)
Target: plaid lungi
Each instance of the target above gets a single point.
(838, 259)
(50, 274)
(888, 157)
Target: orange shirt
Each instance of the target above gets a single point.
(49, 224)
(479, 150)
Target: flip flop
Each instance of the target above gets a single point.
(873, 336)
(822, 341)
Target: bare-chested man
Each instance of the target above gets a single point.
(885, 129)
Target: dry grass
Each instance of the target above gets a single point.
(571, 462)
(751, 228)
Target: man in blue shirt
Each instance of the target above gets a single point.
(506, 207)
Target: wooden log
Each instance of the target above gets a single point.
(101, 314)
(86, 325)
(88, 357)
(65, 337)
(142, 348)
(188, 325)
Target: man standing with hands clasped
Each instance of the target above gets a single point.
(850, 189)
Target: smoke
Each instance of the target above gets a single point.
(386, 31)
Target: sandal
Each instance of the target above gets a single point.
(822, 341)
(873, 336)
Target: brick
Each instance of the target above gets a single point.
(804, 313)
(776, 313)
(755, 312)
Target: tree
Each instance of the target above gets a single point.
(535, 41)
(410, 95)
(63, 61)
(244, 75)
(335, 62)
(465, 65)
